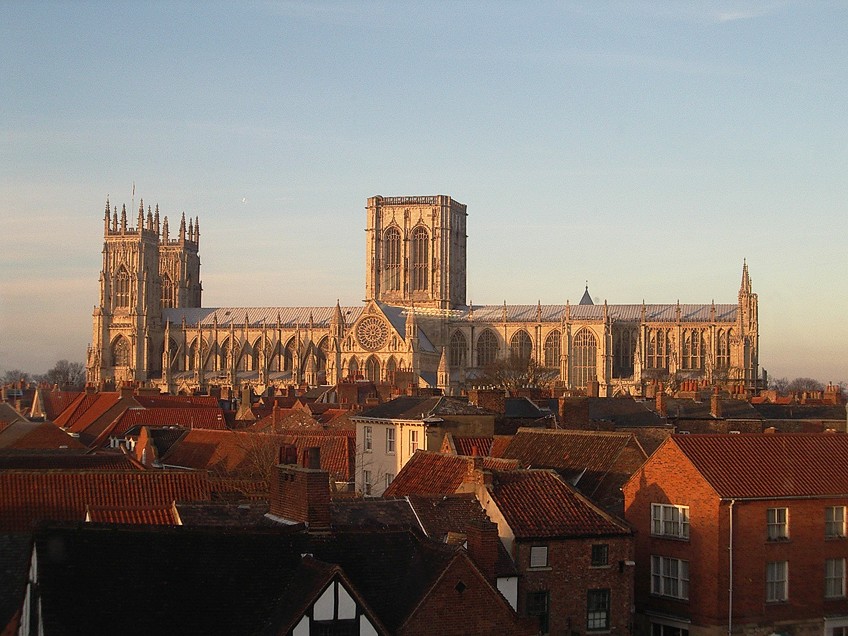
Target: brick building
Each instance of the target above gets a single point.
(741, 534)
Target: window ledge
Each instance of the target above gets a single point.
(542, 568)
(600, 567)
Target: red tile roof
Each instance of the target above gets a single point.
(539, 504)
(769, 465)
(430, 473)
(86, 407)
(137, 515)
(472, 445)
(33, 495)
(55, 402)
(192, 417)
(236, 452)
(177, 401)
(25, 435)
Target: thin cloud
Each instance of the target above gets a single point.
(750, 13)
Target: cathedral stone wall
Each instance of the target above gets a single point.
(149, 325)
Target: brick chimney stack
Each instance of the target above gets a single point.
(715, 404)
(482, 544)
(662, 408)
(301, 494)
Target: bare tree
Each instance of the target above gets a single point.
(799, 385)
(67, 375)
(14, 375)
(514, 372)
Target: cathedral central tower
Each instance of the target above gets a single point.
(415, 251)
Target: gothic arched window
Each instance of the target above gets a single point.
(553, 349)
(723, 349)
(175, 362)
(520, 346)
(391, 259)
(353, 368)
(585, 358)
(693, 349)
(224, 353)
(167, 292)
(391, 369)
(322, 352)
(372, 369)
(457, 350)
(420, 273)
(623, 349)
(487, 348)
(658, 349)
(192, 357)
(122, 288)
(121, 352)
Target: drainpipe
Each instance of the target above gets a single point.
(730, 573)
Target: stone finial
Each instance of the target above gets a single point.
(165, 230)
(149, 219)
(156, 220)
(106, 217)
(124, 217)
(183, 228)
(114, 218)
(140, 224)
(197, 230)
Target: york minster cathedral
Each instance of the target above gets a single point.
(150, 326)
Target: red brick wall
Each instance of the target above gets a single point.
(668, 477)
(477, 609)
(301, 494)
(570, 575)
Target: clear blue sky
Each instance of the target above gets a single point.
(647, 147)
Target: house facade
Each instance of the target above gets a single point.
(741, 534)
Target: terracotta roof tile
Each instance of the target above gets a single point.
(177, 401)
(538, 503)
(472, 445)
(769, 465)
(430, 473)
(26, 435)
(191, 417)
(31, 496)
(134, 515)
(57, 401)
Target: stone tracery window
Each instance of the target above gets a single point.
(122, 288)
(372, 369)
(658, 349)
(553, 349)
(723, 349)
(624, 343)
(391, 369)
(585, 358)
(420, 270)
(353, 369)
(391, 259)
(457, 350)
(520, 346)
(121, 352)
(167, 292)
(487, 348)
(693, 349)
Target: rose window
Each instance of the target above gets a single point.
(372, 333)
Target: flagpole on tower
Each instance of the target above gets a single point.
(133, 198)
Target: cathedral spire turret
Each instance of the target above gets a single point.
(114, 218)
(140, 223)
(443, 373)
(149, 219)
(182, 228)
(106, 217)
(745, 287)
(190, 229)
(165, 230)
(197, 231)
(156, 220)
(123, 218)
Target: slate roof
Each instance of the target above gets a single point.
(620, 313)
(769, 465)
(221, 582)
(223, 514)
(539, 504)
(408, 407)
(15, 554)
(34, 495)
(430, 473)
(770, 411)
(624, 411)
(582, 457)
(523, 408)
(372, 515)
(8, 415)
(731, 409)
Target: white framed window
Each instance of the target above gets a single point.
(413, 442)
(389, 479)
(539, 556)
(597, 609)
(367, 439)
(777, 521)
(669, 628)
(366, 482)
(834, 578)
(670, 577)
(834, 522)
(777, 581)
(390, 441)
(670, 521)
